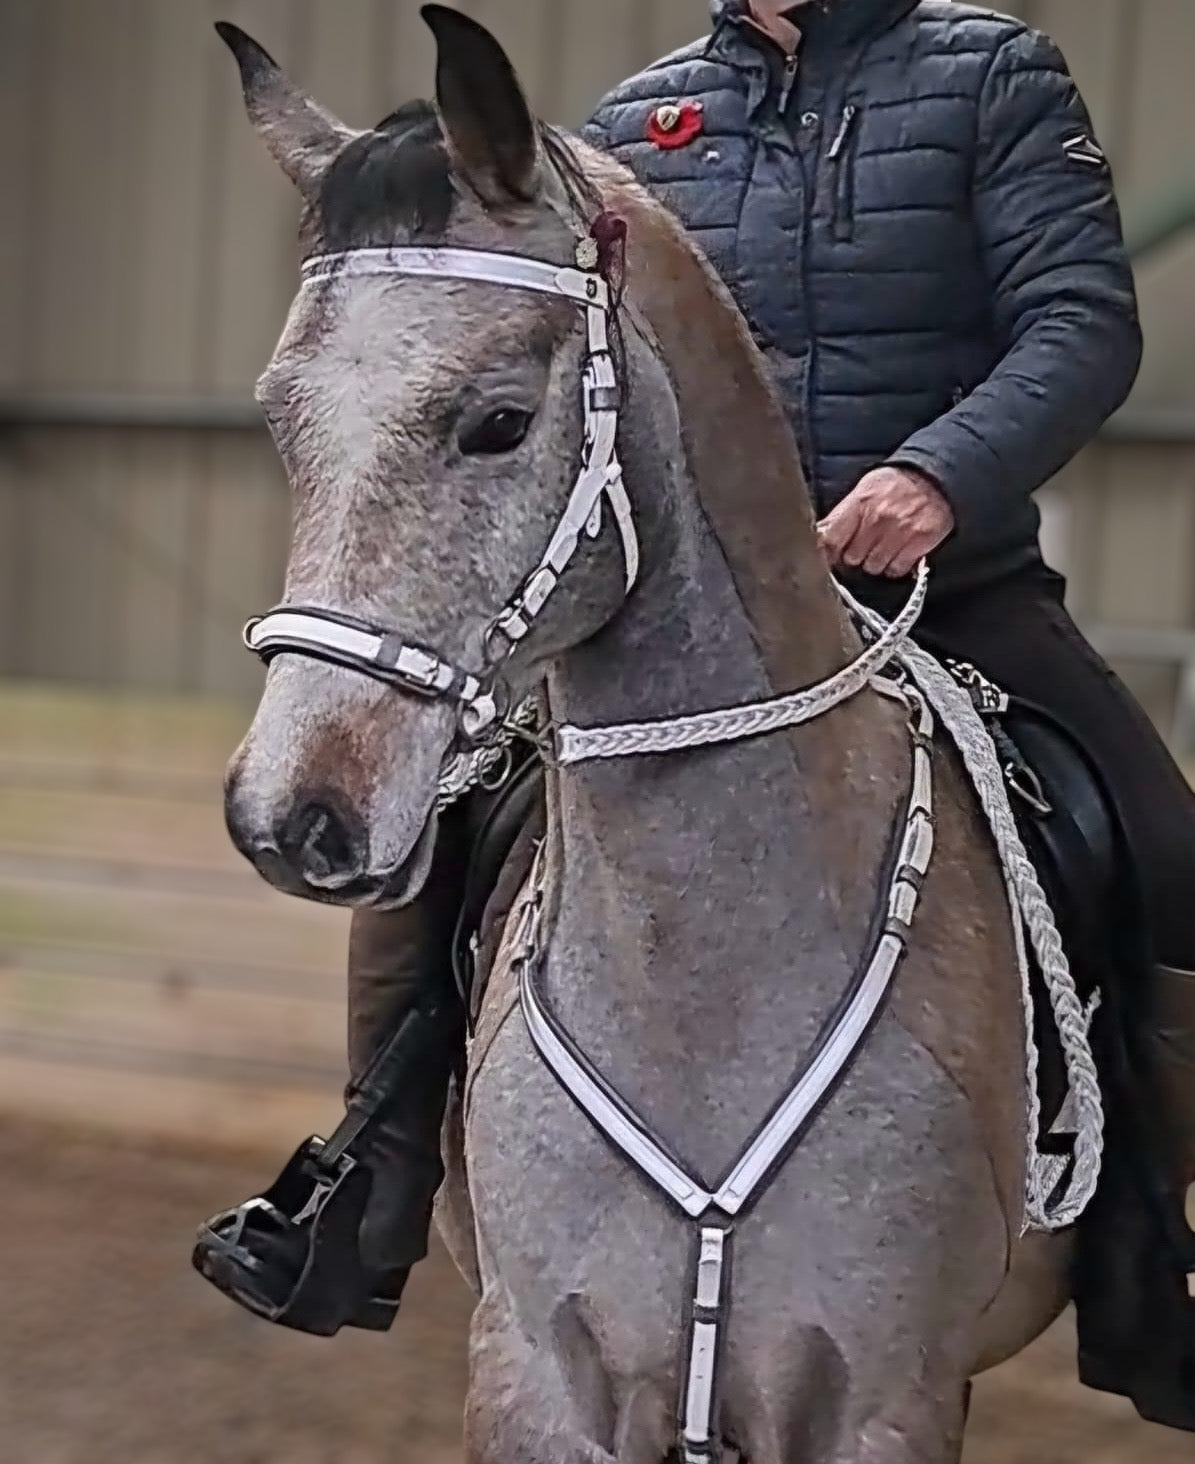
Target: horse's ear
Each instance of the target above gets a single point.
(492, 135)
(301, 137)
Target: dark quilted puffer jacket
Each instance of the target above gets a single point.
(919, 225)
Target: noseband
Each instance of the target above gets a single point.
(343, 640)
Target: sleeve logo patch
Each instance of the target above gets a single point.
(1084, 149)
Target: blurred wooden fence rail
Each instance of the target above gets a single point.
(147, 258)
(146, 262)
(149, 981)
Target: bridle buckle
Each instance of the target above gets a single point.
(421, 670)
(482, 718)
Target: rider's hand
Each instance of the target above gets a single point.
(888, 523)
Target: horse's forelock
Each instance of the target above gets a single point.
(391, 183)
(395, 183)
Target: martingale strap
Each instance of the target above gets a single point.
(630, 1133)
(715, 1210)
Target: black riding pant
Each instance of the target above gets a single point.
(1017, 632)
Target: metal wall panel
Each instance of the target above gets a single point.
(1147, 531)
(1089, 32)
(133, 558)
(88, 128)
(179, 193)
(603, 43)
(252, 213)
(154, 250)
(1159, 37)
(20, 24)
(153, 256)
(673, 23)
(1166, 289)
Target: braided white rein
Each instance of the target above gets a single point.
(731, 724)
(1031, 913)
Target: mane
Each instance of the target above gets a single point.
(396, 181)
(754, 499)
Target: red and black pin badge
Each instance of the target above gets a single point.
(675, 124)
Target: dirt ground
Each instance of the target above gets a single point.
(149, 983)
(112, 1351)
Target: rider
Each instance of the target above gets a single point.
(910, 207)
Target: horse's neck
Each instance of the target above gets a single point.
(709, 907)
(736, 604)
(803, 812)
(712, 905)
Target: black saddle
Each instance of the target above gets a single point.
(1136, 1318)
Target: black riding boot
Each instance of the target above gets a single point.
(332, 1242)
(1136, 1252)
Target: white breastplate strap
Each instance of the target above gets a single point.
(732, 724)
(715, 1209)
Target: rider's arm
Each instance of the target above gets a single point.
(1062, 295)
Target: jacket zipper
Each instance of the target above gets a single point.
(842, 155)
(849, 113)
(792, 64)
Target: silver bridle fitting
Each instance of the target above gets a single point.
(329, 635)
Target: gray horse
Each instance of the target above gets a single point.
(705, 910)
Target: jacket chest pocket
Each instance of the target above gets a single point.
(841, 157)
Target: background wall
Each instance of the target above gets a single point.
(147, 258)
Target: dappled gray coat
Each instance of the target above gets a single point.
(920, 227)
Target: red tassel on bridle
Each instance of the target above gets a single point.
(609, 233)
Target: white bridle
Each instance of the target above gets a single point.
(335, 637)
(330, 635)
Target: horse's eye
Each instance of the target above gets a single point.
(503, 431)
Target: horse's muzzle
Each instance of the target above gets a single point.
(319, 849)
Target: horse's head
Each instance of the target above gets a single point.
(433, 431)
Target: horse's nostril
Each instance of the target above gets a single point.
(326, 846)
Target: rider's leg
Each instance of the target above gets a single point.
(348, 1264)
(396, 960)
(1019, 633)
(338, 1266)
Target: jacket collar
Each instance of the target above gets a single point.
(838, 24)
